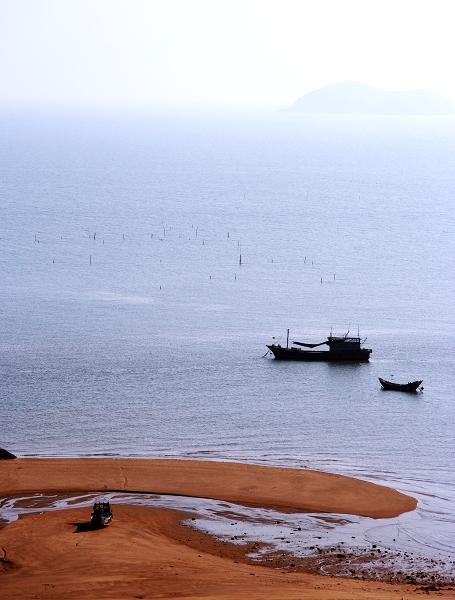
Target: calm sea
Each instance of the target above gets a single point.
(147, 260)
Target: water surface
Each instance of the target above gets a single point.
(130, 326)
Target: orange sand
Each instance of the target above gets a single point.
(298, 489)
(147, 553)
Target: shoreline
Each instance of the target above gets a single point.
(139, 549)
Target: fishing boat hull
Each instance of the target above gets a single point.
(400, 387)
(361, 355)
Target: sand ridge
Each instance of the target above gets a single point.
(297, 489)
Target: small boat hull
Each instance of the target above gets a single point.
(400, 387)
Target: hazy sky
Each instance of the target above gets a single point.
(155, 53)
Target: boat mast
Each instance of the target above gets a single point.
(287, 340)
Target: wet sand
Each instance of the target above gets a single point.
(147, 552)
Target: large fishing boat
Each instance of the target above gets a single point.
(341, 349)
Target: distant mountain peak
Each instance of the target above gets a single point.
(353, 97)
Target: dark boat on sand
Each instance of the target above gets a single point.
(101, 514)
(341, 349)
(401, 387)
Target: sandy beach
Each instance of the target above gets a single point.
(150, 553)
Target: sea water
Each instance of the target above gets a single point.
(147, 260)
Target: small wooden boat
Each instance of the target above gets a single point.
(401, 387)
(101, 514)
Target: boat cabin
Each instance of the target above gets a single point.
(343, 344)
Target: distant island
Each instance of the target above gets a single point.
(352, 97)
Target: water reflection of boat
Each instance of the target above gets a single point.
(401, 387)
(101, 514)
(348, 349)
